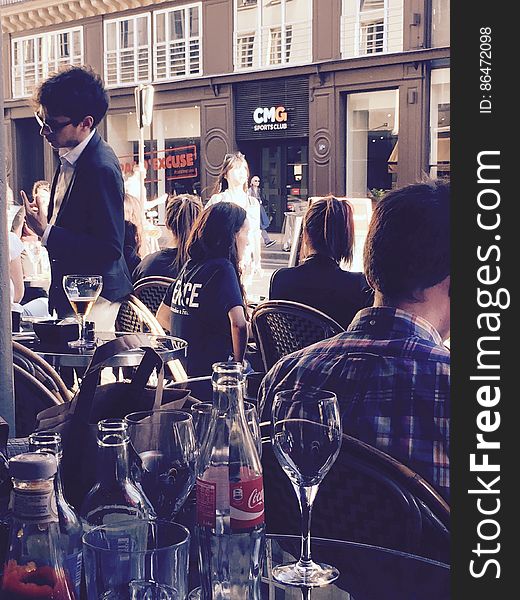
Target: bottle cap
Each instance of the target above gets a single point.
(33, 465)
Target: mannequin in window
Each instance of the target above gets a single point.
(231, 186)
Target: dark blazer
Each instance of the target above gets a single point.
(89, 231)
(319, 282)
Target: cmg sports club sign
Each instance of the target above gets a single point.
(269, 119)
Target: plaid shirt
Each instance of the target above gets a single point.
(391, 375)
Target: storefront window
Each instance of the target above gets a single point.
(127, 50)
(172, 150)
(371, 26)
(440, 123)
(440, 23)
(35, 58)
(271, 33)
(372, 136)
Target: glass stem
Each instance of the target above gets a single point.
(306, 495)
(82, 327)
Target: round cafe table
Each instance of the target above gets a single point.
(366, 572)
(58, 356)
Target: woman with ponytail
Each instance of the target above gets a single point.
(181, 213)
(320, 280)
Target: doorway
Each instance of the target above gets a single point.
(28, 165)
(283, 167)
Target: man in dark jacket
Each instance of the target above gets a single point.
(83, 230)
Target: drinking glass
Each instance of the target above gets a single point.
(167, 448)
(139, 559)
(202, 415)
(306, 440)
(82, 292)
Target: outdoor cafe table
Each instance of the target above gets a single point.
(58, 356)
(366, 572)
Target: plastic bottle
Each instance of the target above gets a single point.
(230, 496)
(70, 524)
(34, 565)
(115, 496)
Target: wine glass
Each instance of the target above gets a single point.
(82, 292)
(306, 440)
(167, 448)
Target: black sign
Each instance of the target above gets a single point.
(274, 108)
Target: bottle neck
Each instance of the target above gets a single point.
(34, 501)
(113, 463)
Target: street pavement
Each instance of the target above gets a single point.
(272, 258)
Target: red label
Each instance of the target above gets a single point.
(206, 503)
(246, 503)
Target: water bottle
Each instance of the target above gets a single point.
(35, 561)
(115, 496)
(70, 524)
(230, 497)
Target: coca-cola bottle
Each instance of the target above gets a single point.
(34, 566)
(70, 524)
(115, 496)
(230, 496)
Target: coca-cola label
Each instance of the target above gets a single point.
(246, 500)
(206, 503)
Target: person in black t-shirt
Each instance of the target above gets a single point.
(320, 282)
(206, 304)
(181, 212)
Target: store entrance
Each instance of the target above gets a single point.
(283, 168)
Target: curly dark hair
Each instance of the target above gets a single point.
(214, 235)
(74, 92)
(407, 248)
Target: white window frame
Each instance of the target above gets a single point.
(117, 21)
(263, 42)
(187, 39)
(368, 18)
(43, 66)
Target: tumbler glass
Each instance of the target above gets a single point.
(140, 559)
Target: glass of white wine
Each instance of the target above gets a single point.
(82, 292)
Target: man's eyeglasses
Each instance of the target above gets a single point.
(51, 126)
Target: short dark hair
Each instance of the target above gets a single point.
(328, 226)
(75, 92)
(407, 248)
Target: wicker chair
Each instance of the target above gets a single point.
(366, 497)
(30, 397)
(151, 290)
(135, 317)
(281, 327)
(40, 369)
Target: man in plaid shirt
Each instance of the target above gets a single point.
(390, 369)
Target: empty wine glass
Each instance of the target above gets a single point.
(306, 440)
(167, 448)
(82, 292)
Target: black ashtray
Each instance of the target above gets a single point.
(54, 331)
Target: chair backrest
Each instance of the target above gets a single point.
(151, 290)
(281, 327)
(135, 317)
(366, 497)
(30, 396)
(42, 370)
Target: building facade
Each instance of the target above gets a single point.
(342, 96)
